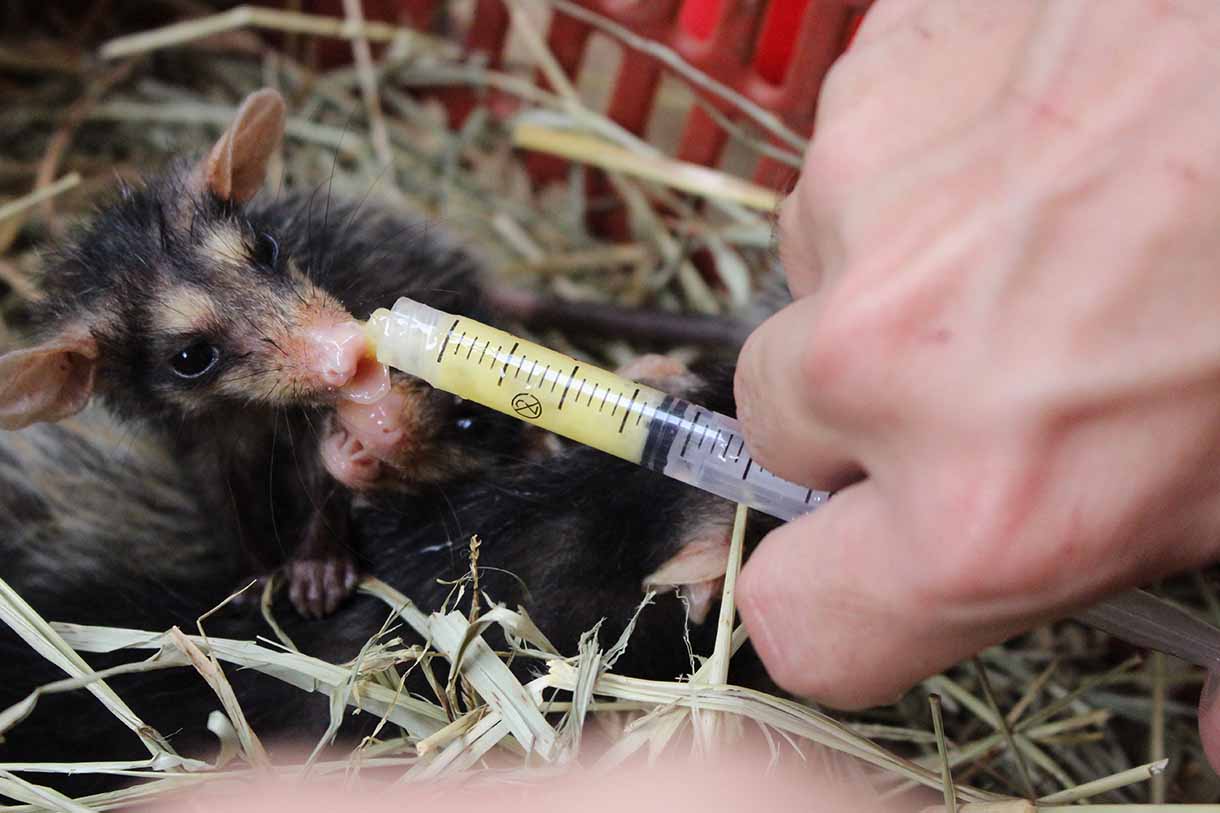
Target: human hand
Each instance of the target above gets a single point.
(1003, 248)
(730, 786)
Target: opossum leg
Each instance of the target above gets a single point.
(322, 573)
(696, 571)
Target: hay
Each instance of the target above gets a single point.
(1061, 715)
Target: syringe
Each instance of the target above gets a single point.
(681, 440)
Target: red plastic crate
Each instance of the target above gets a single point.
(774, 52)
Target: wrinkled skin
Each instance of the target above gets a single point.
(1003, 250)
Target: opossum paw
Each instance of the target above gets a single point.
(249, 593)
(316, 587)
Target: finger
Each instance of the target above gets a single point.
(778, 408)
(801, 244)
(831, 607)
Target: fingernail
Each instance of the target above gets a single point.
(1208, 697)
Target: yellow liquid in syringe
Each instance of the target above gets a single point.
(582, 402)
(548, 389)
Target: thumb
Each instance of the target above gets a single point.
(838, 607)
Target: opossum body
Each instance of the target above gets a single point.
(225, 324)
(574, 542)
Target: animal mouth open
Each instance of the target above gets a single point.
(369, 385)
(348, 461)
(368, 432)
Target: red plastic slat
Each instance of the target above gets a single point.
(778, 39)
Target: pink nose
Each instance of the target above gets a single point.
(335, 351)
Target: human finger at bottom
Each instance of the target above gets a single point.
(1209, 720)
(832, 606)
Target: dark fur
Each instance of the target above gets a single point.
(250, 436)
(571, 540)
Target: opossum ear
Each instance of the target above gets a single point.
(237, 165)
(48, 382)
(696, 571)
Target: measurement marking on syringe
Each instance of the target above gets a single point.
(568, 385)
(592, 395)
(749, 463)
(507, 360)
(458, 346)
(690, 430)
(533, 367)
(520, 366)
(486, 345)
(627, 411)
(445, 343)
(808, 495)
(604, 397)
(470, 349)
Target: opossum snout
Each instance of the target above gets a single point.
(334, 351)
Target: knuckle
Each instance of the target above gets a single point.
(837, 362)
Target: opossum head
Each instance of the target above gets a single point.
(176, 301)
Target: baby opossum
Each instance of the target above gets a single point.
(226, 323)
(574, 541)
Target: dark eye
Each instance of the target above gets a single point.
(267, 250)
(194, 360)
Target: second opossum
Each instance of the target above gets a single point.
(226, 324)
(574, 541)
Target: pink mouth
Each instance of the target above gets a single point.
(348, 461)
(369, 385)
(377, 426)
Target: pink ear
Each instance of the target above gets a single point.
(237, 165)
(697, 570)
(48, 382)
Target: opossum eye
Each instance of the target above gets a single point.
(194, 360)
(266, 250)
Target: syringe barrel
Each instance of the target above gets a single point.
(708, 451)
(592, 406)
